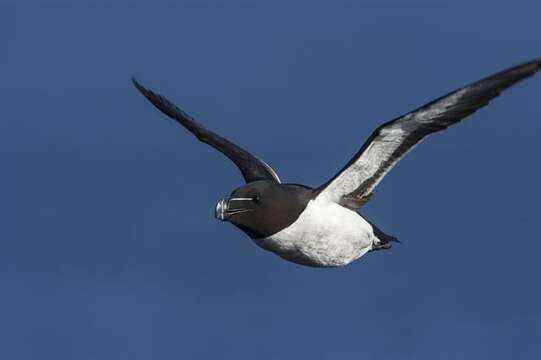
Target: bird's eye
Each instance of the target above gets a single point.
(256, 199)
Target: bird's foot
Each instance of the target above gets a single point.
(382, 246)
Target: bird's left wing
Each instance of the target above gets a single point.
(354, 184)
(251, 167)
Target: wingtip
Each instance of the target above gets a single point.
(536, 63)
(137, 85)
(530, 67)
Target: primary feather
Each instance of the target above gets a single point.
(352, 187)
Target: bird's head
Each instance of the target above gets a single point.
(260, 208)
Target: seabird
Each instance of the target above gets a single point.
(321, 226)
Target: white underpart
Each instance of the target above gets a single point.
(325, 234)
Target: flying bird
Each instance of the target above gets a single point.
(321, 226)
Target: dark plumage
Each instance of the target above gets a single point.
(251, 167)
(320, 227)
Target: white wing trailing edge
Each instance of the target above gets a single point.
(352, 187)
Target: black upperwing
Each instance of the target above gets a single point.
(251, 167)
(353, 185)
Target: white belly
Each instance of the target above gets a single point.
(325, 234)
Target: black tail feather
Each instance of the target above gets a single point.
(382, 237)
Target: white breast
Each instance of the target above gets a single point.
(325, 234)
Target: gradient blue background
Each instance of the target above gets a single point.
(108, 245)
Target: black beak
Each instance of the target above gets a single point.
(228, 207)
(221, 208)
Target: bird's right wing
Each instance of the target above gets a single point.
(354, 184)
(251, 167)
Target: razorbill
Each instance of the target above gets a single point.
(321, 227)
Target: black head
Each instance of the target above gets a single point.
(263, 208)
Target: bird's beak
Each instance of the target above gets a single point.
(227, 207)
(221, 208)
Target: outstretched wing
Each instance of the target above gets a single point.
(251, 167)
(354, 184)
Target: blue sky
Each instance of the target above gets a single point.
(108, 245)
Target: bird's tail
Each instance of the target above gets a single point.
(384, 241)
